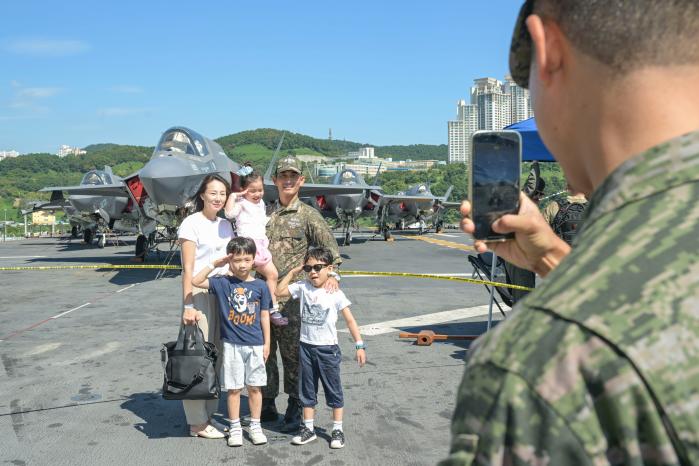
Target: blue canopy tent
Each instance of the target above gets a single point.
(533, 148)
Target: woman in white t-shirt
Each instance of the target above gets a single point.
(203, 238)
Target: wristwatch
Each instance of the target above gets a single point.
(358, 346)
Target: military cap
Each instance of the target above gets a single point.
(521, 47)
(288, 163)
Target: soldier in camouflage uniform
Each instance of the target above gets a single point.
(293, 227)
(600, 365)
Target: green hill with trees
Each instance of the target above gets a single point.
(21, 177)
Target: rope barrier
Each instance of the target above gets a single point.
(344, 272)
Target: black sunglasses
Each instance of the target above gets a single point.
(315, 267)
(521, 47)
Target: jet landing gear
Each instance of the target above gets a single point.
(87, 236)
(141, 247)
(102, 241)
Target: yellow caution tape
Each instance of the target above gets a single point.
(344, 272)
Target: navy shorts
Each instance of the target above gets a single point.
(320, 363)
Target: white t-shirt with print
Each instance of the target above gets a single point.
(210, 238)
(319, 311)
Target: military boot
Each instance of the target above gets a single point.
(269, 410)
(293, 416)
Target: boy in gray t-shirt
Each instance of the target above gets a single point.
(319, 353)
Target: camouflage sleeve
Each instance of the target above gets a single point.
(499, 420)
(320, 235)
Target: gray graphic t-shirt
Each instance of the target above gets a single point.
(319, 311)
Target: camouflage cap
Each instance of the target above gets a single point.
(521, 47)
(288, 163)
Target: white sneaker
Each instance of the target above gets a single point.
(235, 438)
(258, 437)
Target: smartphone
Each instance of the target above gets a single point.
(496, 157)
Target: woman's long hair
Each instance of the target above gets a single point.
(198, 201)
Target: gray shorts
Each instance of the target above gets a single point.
(242, 365)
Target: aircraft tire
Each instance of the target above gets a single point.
(141, 243)
(102, 241)
(74, 231)
(386, 234)
(348, 238)
(87, 236)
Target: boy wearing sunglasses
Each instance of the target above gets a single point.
(319, 353)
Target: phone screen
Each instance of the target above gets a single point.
(495, 172)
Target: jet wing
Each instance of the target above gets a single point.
(50, 206)
(109, 190)
(391, 198)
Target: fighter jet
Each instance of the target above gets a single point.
(90, 214)
(347, 208)
(417, 204)
(162, 191)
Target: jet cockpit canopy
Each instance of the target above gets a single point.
(95, 178)
(184, 141)
(348, 177)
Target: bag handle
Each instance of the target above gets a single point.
(190, 332)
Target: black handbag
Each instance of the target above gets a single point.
(190, 367)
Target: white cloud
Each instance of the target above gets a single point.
(45, 47)
(121, 111)
(126, 89)
(38, 92)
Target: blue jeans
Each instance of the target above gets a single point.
(320, 362)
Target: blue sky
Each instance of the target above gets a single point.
(380, 72)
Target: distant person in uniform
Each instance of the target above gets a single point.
(293, 227)
(203, 238)
(565, 214)
(600, 363)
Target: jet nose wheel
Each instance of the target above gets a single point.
(386, 234)
(348, 238)
(87, 236)
(74, 231)
(141, 244)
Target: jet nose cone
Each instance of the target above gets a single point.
(164, 178)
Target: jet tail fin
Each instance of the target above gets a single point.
(378, 174)
(270, 168)
(448, 193)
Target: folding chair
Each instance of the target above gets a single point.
(481, 264)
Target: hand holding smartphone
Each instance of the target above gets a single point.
(494, 174)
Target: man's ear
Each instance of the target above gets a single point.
(548, 43)
(331, 267)
(302, 180)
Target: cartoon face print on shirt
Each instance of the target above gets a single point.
(314, 313)
(239, 301)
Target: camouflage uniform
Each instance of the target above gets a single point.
(553, 207)
(291, 231)
(601, 364)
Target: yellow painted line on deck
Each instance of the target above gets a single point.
(441, 242)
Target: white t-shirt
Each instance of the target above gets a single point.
(319, 311)
(250, 219)
(210, 238)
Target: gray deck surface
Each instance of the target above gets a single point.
(84, 387)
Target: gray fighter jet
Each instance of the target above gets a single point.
(93, 215)
(417, 204)
(348, 208)
(161, 192)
